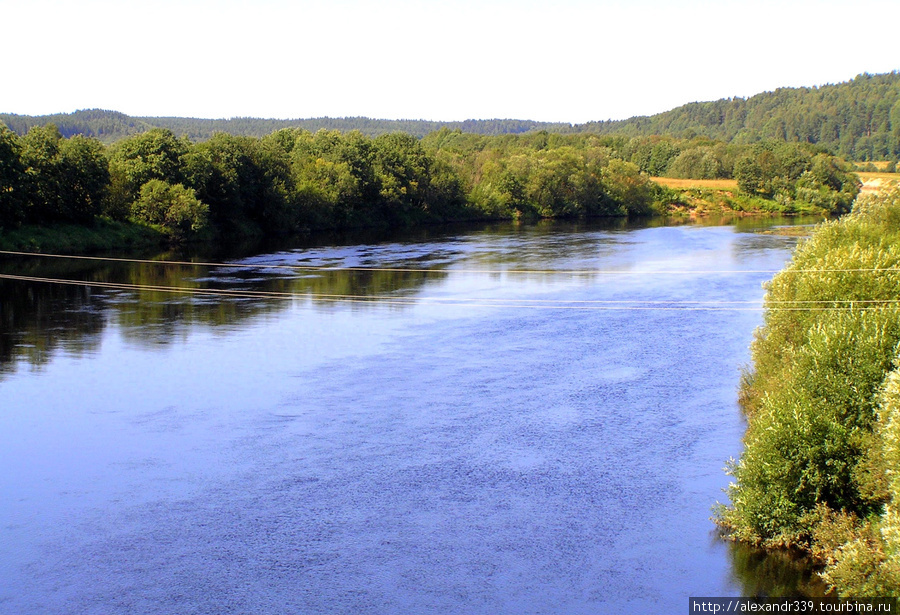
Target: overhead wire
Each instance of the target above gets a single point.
(558, 304)
(326, 268)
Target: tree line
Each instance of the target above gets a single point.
(551, 174)
(111, 126)
(295, 179)
(289, 180)
(858, 120)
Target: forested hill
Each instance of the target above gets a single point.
(110, 126)
(858, 119)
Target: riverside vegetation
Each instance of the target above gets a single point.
(819, 468)
(155, 185)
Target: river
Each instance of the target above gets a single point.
(498, 419)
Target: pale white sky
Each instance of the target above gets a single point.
(565, 60)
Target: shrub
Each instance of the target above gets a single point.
(174, 208)
(819, 363)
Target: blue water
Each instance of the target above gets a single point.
(469, 439)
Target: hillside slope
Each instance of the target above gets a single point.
(858, 119)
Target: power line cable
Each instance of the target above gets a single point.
(325, 268)
(562, 304)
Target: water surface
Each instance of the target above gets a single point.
(514, 419)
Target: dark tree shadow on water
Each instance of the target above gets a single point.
(781, 573)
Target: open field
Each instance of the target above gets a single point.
(867, 176)
(710, 184)
(873, 182)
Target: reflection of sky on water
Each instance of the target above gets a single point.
(203, 455)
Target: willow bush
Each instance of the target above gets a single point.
(823, 434)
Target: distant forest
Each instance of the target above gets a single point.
(857, 120)
(112, 126)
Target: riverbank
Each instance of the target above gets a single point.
(823, 406)
(102, 235)
(694, 199)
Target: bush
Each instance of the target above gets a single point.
(866, 562)
(174, 208)
(818, 366)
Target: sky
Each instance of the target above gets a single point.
(562, 61)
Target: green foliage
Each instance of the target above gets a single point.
(864, 560)
(403, 174)
(84, 178)
(702, 162)
(806, 441)
(550, 183)
(628, 188)
(798, 177)
(857, 120)
(42, 160)
(13, 197)
(293, 179)
(546, 175)
(155, 154)
(652, 154)
(111, 126)
(106, 126)
(821, 445)
(66, 180)
(175, 209)
(246, 183)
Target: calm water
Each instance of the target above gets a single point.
(478, 433)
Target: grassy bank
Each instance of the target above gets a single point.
(689, 198)
(101, 236)
(822, 401)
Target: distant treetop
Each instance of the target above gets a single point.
(858, 119)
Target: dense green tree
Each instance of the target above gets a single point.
(294, 178)
(245, 182)
(85, 177)
(155, 154)
(403, 173)
(703, 162)
(753, 174)
(40, 155)
(795, 175)
(66, 179)
(13, 197)
(631, 191)
(174, 208)
(857, 120)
